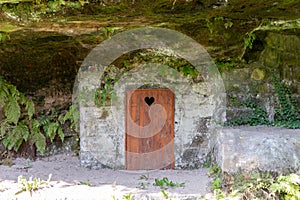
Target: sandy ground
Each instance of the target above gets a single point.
(71, 181)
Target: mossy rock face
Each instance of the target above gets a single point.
(283, 41)
(282, 51)
(270, 58)
(258, 74)
(232, 80)
(6, 27)
(37, 60)
(277, 49)
(281, 48)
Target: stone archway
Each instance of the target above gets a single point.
(102, 130)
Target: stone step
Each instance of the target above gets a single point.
(262, 148)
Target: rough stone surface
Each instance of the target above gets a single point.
(102, 136)
(275, 50)
(258, 148)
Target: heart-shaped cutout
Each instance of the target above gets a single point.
(149, 100)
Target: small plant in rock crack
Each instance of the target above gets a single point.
(165, 183)
(31, 184)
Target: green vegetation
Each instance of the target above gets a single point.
(219, 27)
(215, 172)
(258, 117)
(249, 40)
(165, 183)
(33, 8)
(20, 124)
(17, 124)
(36, 10)
(112, 73)
(127, 197)
(287, 187)
(31, 185)
(108, 31)
(124, 197)
(4, 36)
(165, 194)
(143, 184)
(227, 64)
(88, 183)
(287, 113)
(255, 185)
(216, 184)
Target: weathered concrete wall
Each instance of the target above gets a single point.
(262, 148)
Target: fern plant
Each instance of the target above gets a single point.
(72, 116)
(258, 185)
(287, 187)
(19, 124)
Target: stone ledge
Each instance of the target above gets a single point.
(262, 148)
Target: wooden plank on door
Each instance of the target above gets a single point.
(149, 129)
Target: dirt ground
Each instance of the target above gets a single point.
(71, 181)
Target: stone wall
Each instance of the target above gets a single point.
(274, 51)
(197, 106)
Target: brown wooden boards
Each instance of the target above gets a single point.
(149, 129)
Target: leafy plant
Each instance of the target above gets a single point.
(20, 124)
(165, 194)
(219, 27)
(287, 114)
(249, 40)
(31, 184)
(210, 26)
(4, 36)
(72, 115)
(165, 183)
(127, 197)
(215, 172)
(112, 73)
(88, 183)
(287, 187)
(216, 184)
(144, 181)
(259, 116)
(105, 93)
(228, 24)
(258, 185)
(108, 31)
(51, 128)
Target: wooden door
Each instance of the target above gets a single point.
(149, 129)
